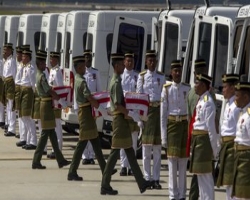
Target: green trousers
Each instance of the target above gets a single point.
(78, 155)
(112, 159)
(51, 134)
(194, 188)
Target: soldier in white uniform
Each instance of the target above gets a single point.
(241, 179)
(9, 74)
(19, 73)
(27, 94)
(151, 82)
(93, 80)
(228, 133)
(174, 130)
(129, 81)
(204, 138)
(55, 80)
(2, 114)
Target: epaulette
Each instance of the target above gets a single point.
(94, 68)
(186, 84)
(158, 72)
(167, 85)
(29, 65)
(248, 111)
(143, 73)
(205, 98)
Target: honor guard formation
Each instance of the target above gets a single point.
(180, 119)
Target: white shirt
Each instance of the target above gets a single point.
(1, 68)
(19, 73)
(151, 83)
(9, 67)
(205, 119)
(230, 118)
(92, 78)
(55, 76)
(129, 80)
(243, 127)
(174, 102)
(28, 76)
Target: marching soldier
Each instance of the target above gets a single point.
(121, 133)
(9, 74)
(174, 130)
(92, 78)
(241, 171)
(87, 125)
(228, 133)
(26, 100)
(129, 80)
(2, 113)
(55, 80)
(204, 138)
(151, 82)
(46, 115)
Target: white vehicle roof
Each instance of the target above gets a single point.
(49, 21)
(30, 21)
(77, 20)
(244, 12)
(11, 26)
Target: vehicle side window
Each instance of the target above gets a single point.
(109, 40)
(36, 40)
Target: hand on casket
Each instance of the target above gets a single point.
(63, 103)
(102, 110)
(135, 116)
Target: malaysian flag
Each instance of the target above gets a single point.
(66, 96)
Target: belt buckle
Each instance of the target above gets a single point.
(177, 118)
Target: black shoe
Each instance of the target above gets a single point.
(182, 199)
(63, 163)
(2, 124)
(38, 166)
(24, 146)
(45, 153)
(109, 191)
(21, 143)
(91, 161)
(5, 127)
(114, 171)
(17, 136)
(147, 185)
(51, 155)
(123, 171)
(130, 173)
(30, 147)
(85, 161)
(9, 134)
(74, 177)
(156, 185)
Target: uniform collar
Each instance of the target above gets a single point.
(176, 84)
(152, 73)
(8, 58)
(88, 69)
(116, 76)
(55, 66)
(128, 71)
(26, 64)
(231, 100)
(204, 94)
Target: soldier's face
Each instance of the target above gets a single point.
(176, 74)
(7, 52)
(53, 61)
(25, 58)
(120, 67)
(129, 63)
(198, 87)
(228, 90)
(241, 99)
(88, 60)
(42, 65)
(81, 68)
(19, 56)
(151, 63)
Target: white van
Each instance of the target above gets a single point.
(2, 25)
(29, 31)
(60, 36)
(48, 33)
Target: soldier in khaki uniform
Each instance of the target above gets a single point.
(121, 133)
(241, 179)
(174, 130)
(87, 125)
(47, 116)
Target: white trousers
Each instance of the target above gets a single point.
(88, 152)
(11, 116)
(206, 186)
(2, 114)
(229, 192)
(177, 190)
(146, 154)
(22, 130)
(31, 129)
(123, 157)
(59, 135)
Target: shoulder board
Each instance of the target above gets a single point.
(160, 73)
(205, 98)
(29, 65)
(186, 84)
(94, 68)
(167, 84)
(57, 68)
(248, 111)
(143, 73)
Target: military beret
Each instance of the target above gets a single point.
(199, 63)
(18, 49)
(27, 51)
(117, 56)
(25, 46)
(230, 78)
(242, 86)
(41, 54)
(204, 78)
(8, 45)
(129, 54)
(176, 64)
(54, 54)
(87, 52)
(78, 59)
(151, 53)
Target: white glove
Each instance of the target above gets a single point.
(102, 110)
(140, 124)
(63, 103)
(135, 116)
(164, 145)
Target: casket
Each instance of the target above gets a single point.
(66, 95)
(103, 98)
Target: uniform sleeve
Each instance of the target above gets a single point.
(139, 87)
(116, 94)
(98, 82)
(85, 90)
(189, 112)
(33, 77)
(44, 83)
(164, 115)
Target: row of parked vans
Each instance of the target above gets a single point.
(220, 35)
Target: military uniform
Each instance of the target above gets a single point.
(241, 173)
(87, 125)
(151, 83)
(129, 81)
(2, 114)
(204, 142)
(93, 81)
(9, 74)
(174, 130)
(47, 118)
